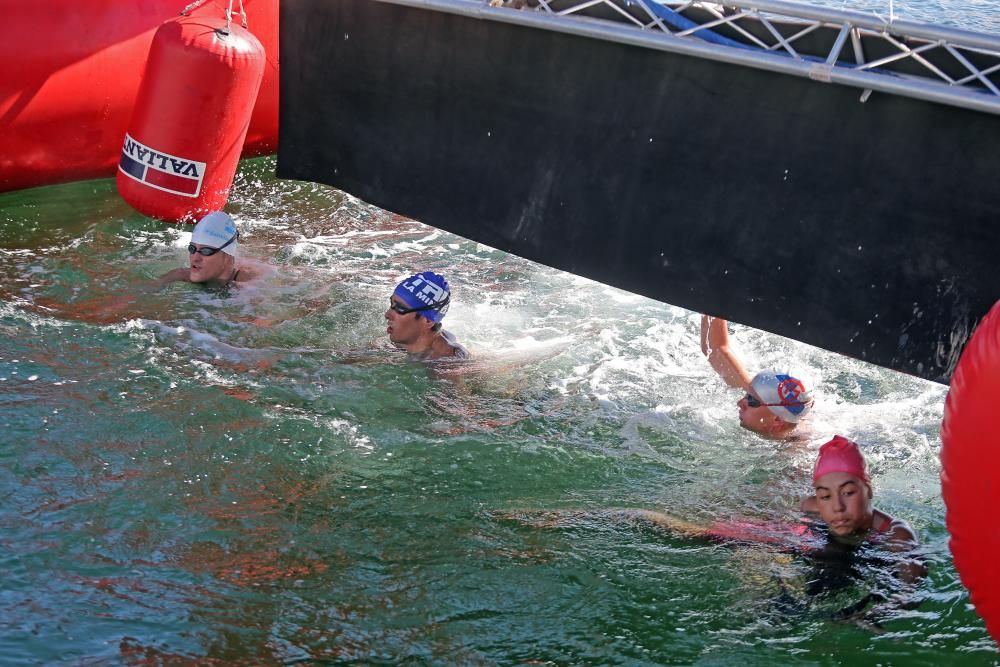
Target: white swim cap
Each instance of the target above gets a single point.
(784, 394)
(217, 230)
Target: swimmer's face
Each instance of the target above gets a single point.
(760, 420)
(403, 329)
(206, 269)
(844, 502)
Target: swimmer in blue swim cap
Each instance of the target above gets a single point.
(214, 255)
(416, 308)
(775, 402)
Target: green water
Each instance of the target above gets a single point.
(254, 476)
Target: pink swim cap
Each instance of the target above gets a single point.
(841, 455)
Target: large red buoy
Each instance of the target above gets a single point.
(190, 118)
(970, 468)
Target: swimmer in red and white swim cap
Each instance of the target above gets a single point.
(775, 402)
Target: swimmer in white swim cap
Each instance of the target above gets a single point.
(775, 402)
(214, 255)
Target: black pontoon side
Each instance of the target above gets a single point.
(820, 174)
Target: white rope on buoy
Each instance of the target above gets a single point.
(229, 12)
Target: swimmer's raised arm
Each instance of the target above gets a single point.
(715, 346)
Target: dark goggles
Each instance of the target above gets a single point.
(403, 310)
(208, 252)
(752, 402)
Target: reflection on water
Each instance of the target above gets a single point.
(254, 475)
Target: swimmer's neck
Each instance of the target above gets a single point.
(218, 282)
(430, 347)
(792, 434)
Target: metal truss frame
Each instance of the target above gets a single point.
(935, 63)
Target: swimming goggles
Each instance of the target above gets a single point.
(753, 402)
(403, 310)
(208, 252)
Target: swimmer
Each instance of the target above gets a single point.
(214, 250)
(843, 501)
(841, 534)
(416, 308)
(839, 510)
(214, 256)
(774, 403)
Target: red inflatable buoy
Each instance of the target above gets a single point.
(970, 468)
(190, 118)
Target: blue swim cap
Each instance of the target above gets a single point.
(426, 291)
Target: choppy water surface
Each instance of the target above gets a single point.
(254, 476)
(978, 15)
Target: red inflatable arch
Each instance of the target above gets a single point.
(970, 468)
(71, 72)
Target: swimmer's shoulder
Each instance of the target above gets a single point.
(458, 351)
(250, 270)
(897, 532)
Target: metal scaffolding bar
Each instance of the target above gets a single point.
(770, 48)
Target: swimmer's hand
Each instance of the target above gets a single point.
(172, 276)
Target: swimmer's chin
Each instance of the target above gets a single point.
(846, 533)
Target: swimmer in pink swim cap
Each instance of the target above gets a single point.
(843, 500)
(775, 402)
(841, 535)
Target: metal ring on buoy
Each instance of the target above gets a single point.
(970, 468)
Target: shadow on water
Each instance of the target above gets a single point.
(255, 476)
